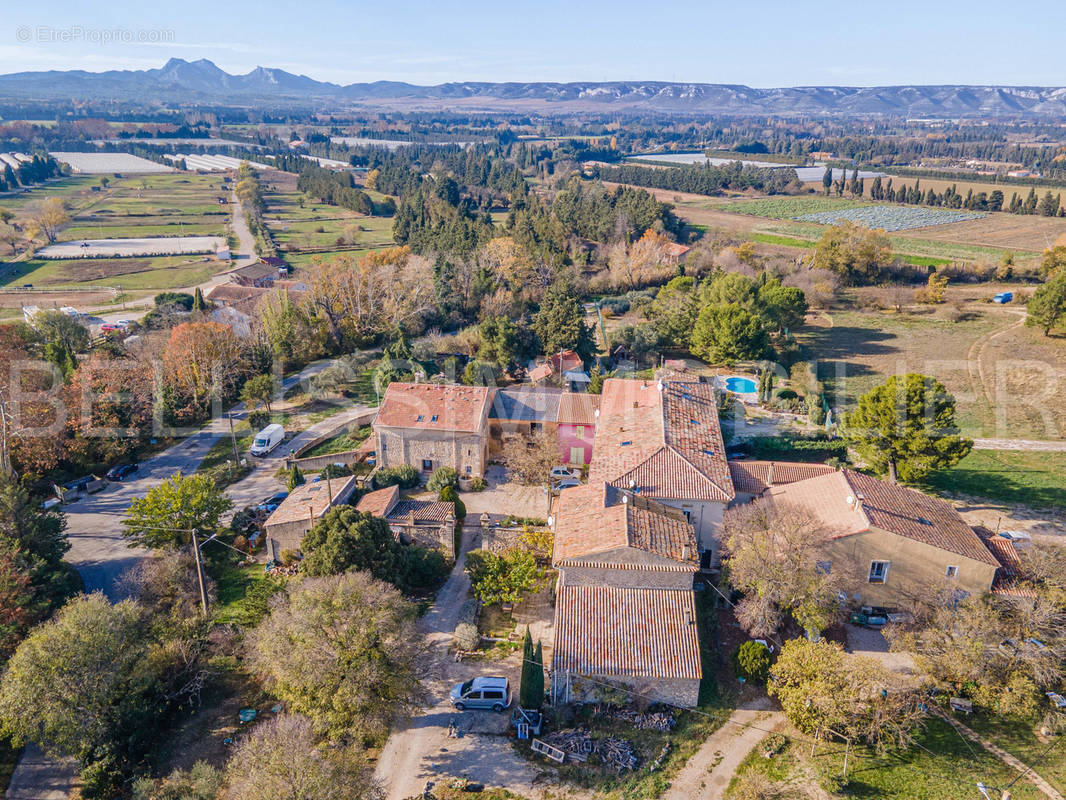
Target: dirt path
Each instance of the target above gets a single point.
(707, 774)
(1028, 773)
(422, 750)
(974, 356)
(1043, 445)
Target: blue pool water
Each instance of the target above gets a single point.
(741, 385)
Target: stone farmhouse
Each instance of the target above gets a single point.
(285, 528)
(430, 425)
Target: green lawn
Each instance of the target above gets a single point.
(232, 584)
(340, 444)
(1008, 476)
(790, 207)
(1017, 737)
(154, 272)
(221, 452)
(943, 767)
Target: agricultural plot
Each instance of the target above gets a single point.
(892, 218)
(163, 272)
(123, 248)
(109, 163)
(790, 207)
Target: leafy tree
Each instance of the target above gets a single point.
(344, 651)
(345, 540)
(906, 428)
(281, 760)
(1054, 261)
(503, 578)
(855, 253)
(529, 459)
(560, 323)
(479, 373)
(162, 518)
(674, 310)
(825, 691)
(44, 219)
(101, 690)
(726, 334)
(729, 288)
(203, 359)
(1047, 307)
(771, 551)
(258, 391)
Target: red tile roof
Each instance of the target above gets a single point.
(311, 500)
(379, 502)
(639, 633)
(597, 519)
(230, 293)
(578, 408)
(663, 439)
(755, 477)
(677, 250)
(426, 511)
(887, 506)
(432, 406)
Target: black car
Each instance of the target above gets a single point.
(121, 472)
(272, 502)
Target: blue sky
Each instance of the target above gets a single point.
(759, 43)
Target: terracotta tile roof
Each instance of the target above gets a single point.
(379, 502)
(578, 408)
(426, 511)
(596, 519)
(662, 442)
(566, 361)
(676, 250)
(755, 477)
(433, 407)
(311, 500)
(253, 272)
(889, 507)
(230, 293)
(526, 404)
(639, 633)
(540, 372)
(1006, 555)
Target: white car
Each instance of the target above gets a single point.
(559, 473)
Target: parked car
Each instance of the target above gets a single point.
(122, 472)
(271, 503)
(109, 327)
(124, 324)
(267, 439)
(482, 693)
(566, 483)
(558, 473)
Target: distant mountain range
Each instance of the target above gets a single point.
(202, 82)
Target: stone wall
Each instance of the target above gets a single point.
(398, 446)
(684, 692)
(438, 537)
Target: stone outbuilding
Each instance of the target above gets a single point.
(428, 523)
(285, 528)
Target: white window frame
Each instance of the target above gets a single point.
(884, 572)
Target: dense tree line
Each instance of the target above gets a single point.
(339, 189)
(39, 169)
(707, 179)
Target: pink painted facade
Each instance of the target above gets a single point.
(576, 428)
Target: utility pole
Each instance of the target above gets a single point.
(199, 571)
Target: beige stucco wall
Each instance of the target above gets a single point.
(706, 517)
(398, 446)
(916, 569)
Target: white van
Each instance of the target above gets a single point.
(482, 694)
(267, 439)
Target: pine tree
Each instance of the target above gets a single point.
(827, 180)
(527, 689)
(198, 302)
(537, 689)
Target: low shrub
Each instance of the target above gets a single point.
(405, 476)
(478, 484)
(443, 477)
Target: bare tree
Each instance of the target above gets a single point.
(529, 458)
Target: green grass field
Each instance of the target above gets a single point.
(158, 272)
(340, 444)
(944, 767)
(789, 207)
(1028, 478)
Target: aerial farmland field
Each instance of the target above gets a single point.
(892, 218)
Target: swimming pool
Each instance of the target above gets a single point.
(738, 385)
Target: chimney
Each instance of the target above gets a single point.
(684, 553)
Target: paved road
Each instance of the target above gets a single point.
(101, 556)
